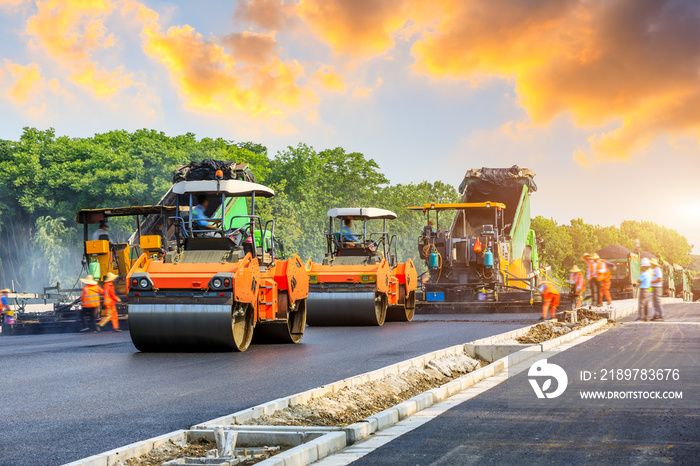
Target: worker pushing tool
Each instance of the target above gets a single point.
(593, 284)
(550, 297)
(110, 299)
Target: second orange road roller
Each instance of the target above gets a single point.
(360, 281)
(220, 285)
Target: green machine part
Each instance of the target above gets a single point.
(532, 242)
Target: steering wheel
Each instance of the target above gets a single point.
(238, 235)
(372, 245)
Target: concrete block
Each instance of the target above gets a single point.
(301, 398)
(439, 393)
(329, 443)
(297, 456)
(386, 418)
(357, 431)
(423, 400)
(453, 387)
(321, 391)
(376, 375)
(275, 405)
(404, 366)
(407, 408)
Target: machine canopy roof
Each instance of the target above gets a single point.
(362, 212)
(471, 205)
(91, 216)
(232, 187)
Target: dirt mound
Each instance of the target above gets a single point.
(648, 255)
(614, 251)
(352, 404)
(587, 314)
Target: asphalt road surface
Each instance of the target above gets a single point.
(508, 425)
(67, 396)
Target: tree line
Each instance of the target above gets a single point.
(46, 179)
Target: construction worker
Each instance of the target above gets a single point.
(593, 284)
(578, 285)
(7, 314)
(346, 233)
(603, 276)
(550, 296)
(657, 287)
(110, 299)
(101, 233)
(644, 283)
(90, 301)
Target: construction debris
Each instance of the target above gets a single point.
(352, 404)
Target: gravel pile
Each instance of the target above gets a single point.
(614, 251)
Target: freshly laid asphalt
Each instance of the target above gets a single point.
(64, 397)
(508, 425)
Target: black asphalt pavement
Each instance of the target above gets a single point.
(509, 425)
(67, 396)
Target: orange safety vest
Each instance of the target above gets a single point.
(91, 296)
(549, 289)
(602, 272)
(577, 279)
(590, 273)
(110, 295)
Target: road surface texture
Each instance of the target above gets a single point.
(509, 425)
(68, 396)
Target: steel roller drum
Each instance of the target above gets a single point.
(170, 327)
(338, 308)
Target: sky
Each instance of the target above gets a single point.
(600, 98)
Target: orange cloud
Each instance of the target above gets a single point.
(250, 47)
(329, 79)
(210, 79)
(71, 31)
(358, 27)
(266, 14)
(27, 81)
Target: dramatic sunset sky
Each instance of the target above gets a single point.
(601, 98)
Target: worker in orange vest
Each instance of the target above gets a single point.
(550, 296)
(111, 299)
(603, 276)
(90, 301)
(593, 283)
(578, 285)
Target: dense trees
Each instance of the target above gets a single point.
(46, 179)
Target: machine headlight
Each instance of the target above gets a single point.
(368, 278)
(216, 283)
(143, 283)
(313, 278)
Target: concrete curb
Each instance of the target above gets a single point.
(339, 438)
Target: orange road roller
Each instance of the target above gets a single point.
(220, 284)
(360, 281)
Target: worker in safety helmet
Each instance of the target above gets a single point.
(657, 287)
(111, 299)
(7, 314)
(90, 301)
(644, 283)
(550, 297)
(593, 284)
(346, 233)
(578, 285)
(603, 275)
(101, 233)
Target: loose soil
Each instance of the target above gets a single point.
(197, 449)
(550, 330)
(351, 404)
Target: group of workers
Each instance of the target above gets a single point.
(92, 297)
(597, 277)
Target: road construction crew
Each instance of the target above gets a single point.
(603, 276)
(550, 296)
(657, 287)
(90, 301)
(578, 285)
(111, 299)
(593, 284)
(644, 283)
(7, 314)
